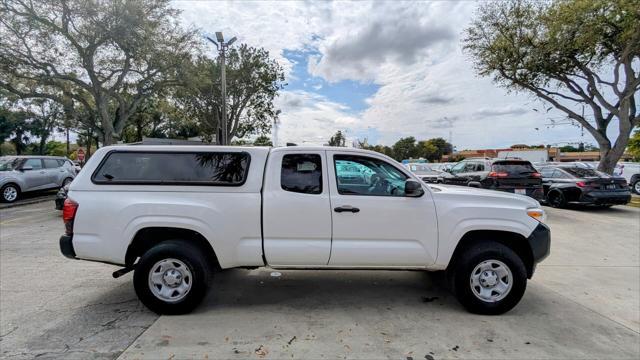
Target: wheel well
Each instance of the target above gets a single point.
(514, 241)
(14, 184)
(147, 238)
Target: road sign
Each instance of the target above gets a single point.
(80, 153)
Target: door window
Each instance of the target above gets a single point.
(301, 173)
(457, 168)
(36, 164)
(360, 175)
(51, 163)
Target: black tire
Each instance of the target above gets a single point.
(635, 186)
(194, 260)
(556, 199)
(464, 266)
(4, 197)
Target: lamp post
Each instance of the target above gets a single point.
(222, 47)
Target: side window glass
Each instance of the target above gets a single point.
(457, 168)
(34, 163)
(301, 173)
(470, 167)
(51, 163)
(547, 172)
(480, 167)
(360, 175)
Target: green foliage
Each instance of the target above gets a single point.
(7, 148)
(408, 148)
(262, 140)
(338, 139)
(567, 53)
(253, 82)
(105, 56)
(56, 148)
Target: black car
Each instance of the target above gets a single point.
(509, 175)
(564, 184)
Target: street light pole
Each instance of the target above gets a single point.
(222, 47)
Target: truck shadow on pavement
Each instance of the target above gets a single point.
(326, 289)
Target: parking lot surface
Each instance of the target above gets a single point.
(583, 302)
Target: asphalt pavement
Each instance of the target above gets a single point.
(583, 302)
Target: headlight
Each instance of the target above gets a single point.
(537, 214)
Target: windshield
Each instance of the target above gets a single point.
(423, 168)
(8, 163)
(583, 172)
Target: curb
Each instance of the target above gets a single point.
(28, 202)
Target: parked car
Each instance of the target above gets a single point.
(426, 173)
(631, 173)
(565, 184)
(172, 214)
(510, 175)
(21, 174)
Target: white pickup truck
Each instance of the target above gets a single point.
(177, 214)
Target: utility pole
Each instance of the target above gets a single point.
(222, 51)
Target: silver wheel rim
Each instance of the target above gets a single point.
(10, 193)
(170, 280)
(491, 281)
(637, 187)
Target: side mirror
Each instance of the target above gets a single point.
(413, 188)
(26, 167)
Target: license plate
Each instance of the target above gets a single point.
(610, 186)
(520, 191)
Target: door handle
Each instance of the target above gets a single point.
(345, 208)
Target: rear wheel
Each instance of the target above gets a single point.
(636, 186)
(489, 279)
(171, 278)
(9, 193)
(556, 199)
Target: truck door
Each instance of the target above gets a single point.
(296, 209)
(374, 224)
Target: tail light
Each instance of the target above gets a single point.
(581, 184)
(68, 215)
(536, 174)
(496, 174)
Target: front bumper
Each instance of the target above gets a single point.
(540, 244)
(66, 246)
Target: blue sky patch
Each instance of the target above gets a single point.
(347, 92)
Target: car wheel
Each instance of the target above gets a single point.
(489, 279)
(66, 182)
(636, 187)
(556, 199)
(10, 193)
(171, 278)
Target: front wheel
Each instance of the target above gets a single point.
(489, 279)
(171, 278)
(9, 193)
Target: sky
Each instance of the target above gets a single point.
(381, 71)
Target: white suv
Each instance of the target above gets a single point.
(175, 214)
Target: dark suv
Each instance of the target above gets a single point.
(510, 175)
(565, 184)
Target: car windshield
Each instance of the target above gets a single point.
(583, 172)
(513, 167)
(8, 163)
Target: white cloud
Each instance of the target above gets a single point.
(410, 49)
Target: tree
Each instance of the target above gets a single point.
(406, 148)
(15, 126)
(262, 140)
(47, 114)
(338, 139)
(107, 55)
(253, 82)
(572, 54)
(434, 149)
